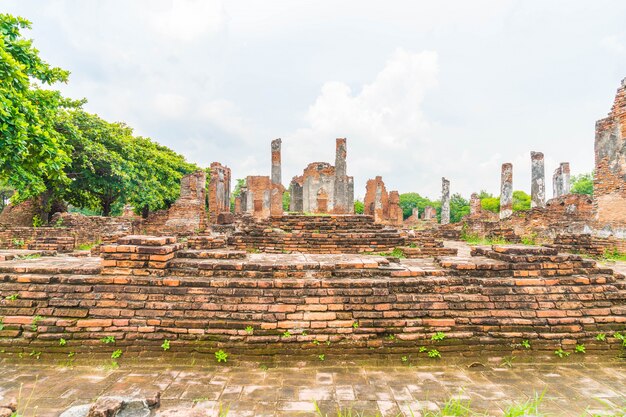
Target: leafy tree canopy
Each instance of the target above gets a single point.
(521, 201)
(34, 153)
(409, 201)
(359, 207)
(582, 184)
(459, 207)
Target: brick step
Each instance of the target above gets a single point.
(211, 254)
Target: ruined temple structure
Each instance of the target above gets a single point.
(610, 166)
(219, 191)
(383, 206)
(324, 188)
(187, 215)
(561, 180)
(261, 198)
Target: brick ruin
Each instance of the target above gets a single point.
(219, 191)
(148, 289)
(561, 180)
(323, 273)
(600, 218)
(187, 215)
(610, 166)
(383, 206)
(324, 188)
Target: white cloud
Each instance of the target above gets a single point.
(186, 20)
(170, 106)
(614, 44)
(381, 121)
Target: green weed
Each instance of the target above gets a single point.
(221, 356)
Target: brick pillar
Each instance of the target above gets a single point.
(475, 207)
(445, 201)
(276, 167)
(565, 177)
(538, 180)
(506, 191)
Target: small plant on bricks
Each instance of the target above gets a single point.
(221, 356)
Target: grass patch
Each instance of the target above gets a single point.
(526, 408)
(475, 239)
(613, 255)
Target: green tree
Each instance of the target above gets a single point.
(99, 170)
(359, 207)
(459, 207)
(409, 201)
(155, 174)
(241, 182)
(582, 184)
(521, 201)
(489, 202)
(286, 200)
(33, 153)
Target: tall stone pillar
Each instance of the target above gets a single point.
(538, 180)
(445, 201)
(475, 207)
(341, 178)
(506, 191)
(557, 183)
(565, 177)
(276, 168)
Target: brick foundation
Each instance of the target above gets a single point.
(483, 303)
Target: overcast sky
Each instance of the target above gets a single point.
(421, 89)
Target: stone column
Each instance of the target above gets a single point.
(276, 169)
(445, 201)
(475, 208)
(565, 178)
(341, 179)
(538, 180)
(506, 191)
(557, 183)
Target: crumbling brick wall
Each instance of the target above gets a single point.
(324, 188)
(263, 198)
(21, 215)
(83, 229)
(486, 303)
(187, 215)
(383, 205)
(610, 160)
(569, 213)
(219, 191)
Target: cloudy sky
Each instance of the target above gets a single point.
(421, 89)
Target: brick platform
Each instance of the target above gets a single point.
(588, 244)
(201, 300)
(139, 255)
(316, 234)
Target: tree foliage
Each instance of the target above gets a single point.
(409, 201)
(33, 153)
(521, 201)
(488, 202)
(359, 207)
(52, 148)
(582, 184)
(459, 207)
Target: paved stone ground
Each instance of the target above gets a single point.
(572, 389)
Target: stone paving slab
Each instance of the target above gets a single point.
(569, 389)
